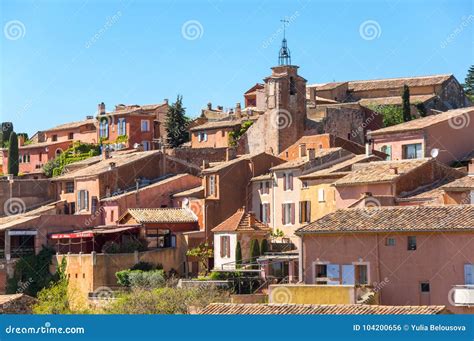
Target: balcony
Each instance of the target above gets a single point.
(463, 295)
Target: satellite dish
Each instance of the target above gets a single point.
(434, 153)
(136, 145)
(185, 202)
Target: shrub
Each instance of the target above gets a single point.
(144, 266)
(238, 255)
(264, 247)
(141, 279)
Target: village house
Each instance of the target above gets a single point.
(438, 92)
(131, 125)
(112, 174)
(154, 193)
(380, 183)
(416, 255)
(240, 228)
(84, 131)
(429, 136)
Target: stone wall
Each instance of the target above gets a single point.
(197, 155)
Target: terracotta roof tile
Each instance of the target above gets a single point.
(427, 121)
(340, 168)
(318, 309)
(332, 153)
(398, 218)
(162, 215)
(390, 83)
(72, 125)
(395, 100)
(379, 171)
(464, 183)
(241, 221)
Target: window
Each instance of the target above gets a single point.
(387, 150)
(225, 246)
(212, 185)
(288, 214)
(390, 242)
(122, 126)
(83, 200)
(71, 136)
(328, 274)
(145, 125)
(425, 287)
(469, 274)
(70, 187)
(104, 128)
(288, 182)
(54, 138)
(202, 136)
(361, 274)
(321, 195)
(411, 243)
(305, 211)
(265, 213)
(112, 216)
(292, 86)
(412, 151)
(264, 187)
(94, 203)
(304, 184)
(146, 145)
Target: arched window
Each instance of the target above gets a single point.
(58, 151)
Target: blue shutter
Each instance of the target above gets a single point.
(468, 273)
(79, 200)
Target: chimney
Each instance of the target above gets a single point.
(393, 170)
(105, 153)
(311, 154)
(101, 109)
(238, 110)
(367, 194)
(368, 149)
(111, 165)
(220, 107)
(251, 219)
(209, 106)
(21, 140)
(89, 117)
(302, 150)
(205, 164)
(470, 169)
(166, 101)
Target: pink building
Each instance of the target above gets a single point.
(429, 136)
(389, 179)
(417, 255)
(84, 131)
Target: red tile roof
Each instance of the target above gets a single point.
(241, 221)
(398, 218)
(319, 309)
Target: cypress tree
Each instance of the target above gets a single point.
(469, 82)
(406, 104)
(176, 123)
(13, 166)
(238, 255)
(254, 251)
(264, 247)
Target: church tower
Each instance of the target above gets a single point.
(285, 94)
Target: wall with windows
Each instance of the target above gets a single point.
(321, 195)
(398, 266)
(396, 145)
(224, 250)
(211, 138)
(262, 200)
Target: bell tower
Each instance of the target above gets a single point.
(285, 94)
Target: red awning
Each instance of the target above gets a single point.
(90, 233)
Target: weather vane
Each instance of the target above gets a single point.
(284, 57)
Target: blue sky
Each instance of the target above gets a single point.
(60, 58)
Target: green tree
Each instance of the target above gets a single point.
(238, 255)
(469, 83)
(7, 129)
(406, 110)
(391, 114)
(176, 123)
(264, 247)
(13, 166)
(202, 252)
(254, 251)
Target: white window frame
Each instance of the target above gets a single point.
(367, 264)
(212, 185)
(287, 216)
(321, 195)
